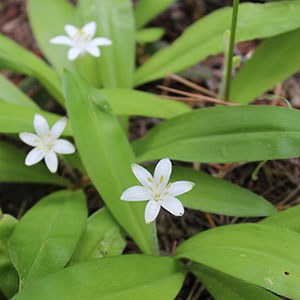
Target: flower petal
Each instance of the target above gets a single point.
(63, 147)
(34, 156)
(173, 205)
(30, 139)
(90, 28)
(143, 175)
(136, 193)
(51, 161)
(73, 53)
(62, 40)
(100, 41)
(93, 50)
(151, 211)
(71, 30)
(180, 187)
(58, 128)
(40, 125)
(162, 172)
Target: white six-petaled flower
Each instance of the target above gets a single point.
(81, 40)
(157, 190)
(46, 142)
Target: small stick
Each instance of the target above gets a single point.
(210, 220)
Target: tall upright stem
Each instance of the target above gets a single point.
(154, 238)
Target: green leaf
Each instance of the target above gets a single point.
(45, 238)
(263, 70)
(16, 118)
(255, 21)
(9, 280)
(130, 102)
(147, 10)
(259, 254)
(102, 237)
(149, 35)
(115, 21)
(18, 59)
(219, 196)
(13, 168)
(224, 134)
(225, 287)
(106, 154)
(11, 94)
(131, 277)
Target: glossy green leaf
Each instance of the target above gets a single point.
(9, 280)
(255, 21)
(214, 195)
(259, 254)
(131, 277)
(46, 236)
(13, 168)
(224, 134)
(106, 154)
(115, 21)
(263, 70)
(225, 287)
(18, 59)
(149, 35)
(102, 237)
(16, 118)
(130, 102)
(9, 93)
(147, 10)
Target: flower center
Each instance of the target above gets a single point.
(158, 191)
(47, 142)
(81, 38)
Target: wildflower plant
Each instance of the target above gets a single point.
(55, 250)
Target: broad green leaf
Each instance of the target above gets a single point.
(131, 277)
(16, 118)
(219, 196)
(11, 94)
(259, 254)
(46, 236)
(225, 287)
(9, 280)
(225, 134)
(15, 58)
(255, 21)
(149, 35)
(102, 237)
(13, 168)
(115, 21)
(106, 154)
(130, 102)
(147, 10)
(263, 70)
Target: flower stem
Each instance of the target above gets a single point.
(154, 238)
(225, 86)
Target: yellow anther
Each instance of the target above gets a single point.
(161, 179)
(150, 179)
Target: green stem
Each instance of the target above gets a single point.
(154, 238)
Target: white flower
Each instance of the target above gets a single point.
(46, 142)
(157, 190)
(81, 40)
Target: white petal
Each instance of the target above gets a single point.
(100, 41)
(180, 187)
(58, 128)
(136, 193)
(94, 51)
(151, 211)
(51, 161)
(73, 53)
(30, 139)
(173, 205)
(63, 147)
(62, 40)
(162, 172)
(90, 28)
(71, 30)
(40, 125)
(34, 156)
(143, 175)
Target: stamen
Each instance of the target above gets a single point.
(150, 179)
(161, 179)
